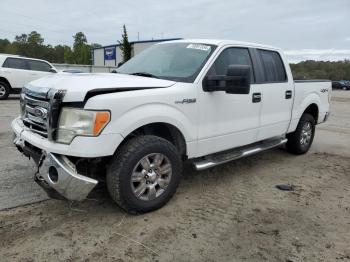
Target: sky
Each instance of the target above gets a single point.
(305, 29)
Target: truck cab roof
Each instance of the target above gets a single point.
(222, 42)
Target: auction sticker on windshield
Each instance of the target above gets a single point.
(199, 47)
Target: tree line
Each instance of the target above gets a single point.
(311, 69)
(32, 45)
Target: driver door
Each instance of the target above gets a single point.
(227, 121)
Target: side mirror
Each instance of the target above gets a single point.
(236, 81)
(52, 70)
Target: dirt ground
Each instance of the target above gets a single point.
(229, 213)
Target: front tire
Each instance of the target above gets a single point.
(144, 174)
(4, 90)
(299, 142)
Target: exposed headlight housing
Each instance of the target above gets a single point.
(78, 122)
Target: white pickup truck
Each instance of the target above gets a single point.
(203, 101)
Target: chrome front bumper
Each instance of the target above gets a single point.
(57, 172)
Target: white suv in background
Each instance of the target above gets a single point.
(16, 71)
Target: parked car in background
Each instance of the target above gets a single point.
(202, 101)
(16, 71)
(73, 71)
(341, 84)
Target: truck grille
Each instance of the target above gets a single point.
(35, 114)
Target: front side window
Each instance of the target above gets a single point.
(174, 61)
(231, 56)
(15, 63)
(273, 66)
(39, 66)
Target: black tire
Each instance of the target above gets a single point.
(4, 90)
(294, 144)
(123, 163)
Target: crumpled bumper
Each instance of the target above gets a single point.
(57, 172)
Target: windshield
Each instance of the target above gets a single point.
(174, 61)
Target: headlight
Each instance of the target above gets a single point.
(78, 122)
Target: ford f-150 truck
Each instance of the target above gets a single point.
(206, 102)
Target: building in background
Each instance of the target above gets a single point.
(111, 55)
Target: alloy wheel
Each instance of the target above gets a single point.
(151, 176)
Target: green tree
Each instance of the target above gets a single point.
(21, 45)
(322, 70)
(34, 38)
(32, 45)
(35, 45)
(125, 45)
(81, 50)
(68, 55)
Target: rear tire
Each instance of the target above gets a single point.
(299, 142)
(4, 90)
(144, 174)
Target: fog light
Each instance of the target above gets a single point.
(53, 174)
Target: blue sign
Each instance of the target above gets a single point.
(110, 53)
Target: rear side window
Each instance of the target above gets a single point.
(39, 66)
(15, 63)
(273, 66)
(231, 56)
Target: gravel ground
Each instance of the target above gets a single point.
(229, 213)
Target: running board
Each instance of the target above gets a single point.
(227, 156)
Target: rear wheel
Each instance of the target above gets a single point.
(299, 142)
(4, 90)
(144, 174)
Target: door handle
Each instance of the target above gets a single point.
(288, 94)
(256, 97)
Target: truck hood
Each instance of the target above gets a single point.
(77, 86)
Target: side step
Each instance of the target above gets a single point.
(227, 156)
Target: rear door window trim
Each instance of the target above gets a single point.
(263, 69)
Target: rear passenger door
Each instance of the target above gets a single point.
(277, 94)
(15, 70)
(38, 69)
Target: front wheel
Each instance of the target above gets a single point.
(4, 90)
(144, 174)
(299, 142)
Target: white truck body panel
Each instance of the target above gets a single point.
(307, 93)
(78, 85)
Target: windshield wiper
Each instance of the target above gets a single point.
(143, 74)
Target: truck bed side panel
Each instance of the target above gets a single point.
(309, 92)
